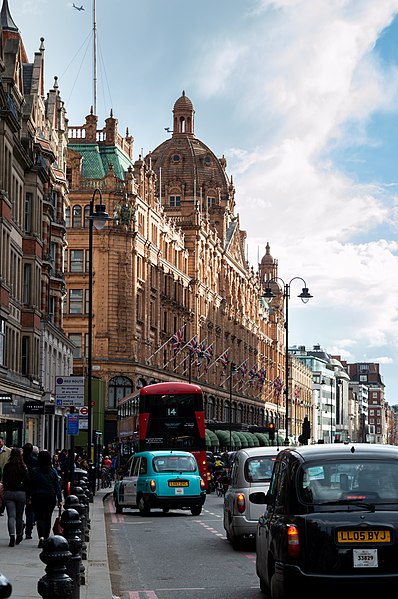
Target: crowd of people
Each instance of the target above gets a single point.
(32, 483)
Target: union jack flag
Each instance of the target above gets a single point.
(297, 394)
(252, 374)
(278, 385)
(177, 339)
(224, 359)
(243, 369)
(208, 354)
(261, 377)
(193, 345)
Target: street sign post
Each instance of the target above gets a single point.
(69, 391)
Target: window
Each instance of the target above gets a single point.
(175, 201)
(27, 273)
(87, 301)
(25, 355)
(67, 217)
(86, 215)
(211, 202)
(76, 339)
(76, 260)
(176, 158)
(118, 387)
(77, 217)
(28, 212)
(75, 301)
(2, 341)
(363, 378)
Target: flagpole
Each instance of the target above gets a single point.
(216, 360)
(161, 347)
(94, 58)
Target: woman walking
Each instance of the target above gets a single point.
(16, 483)
(45, 493)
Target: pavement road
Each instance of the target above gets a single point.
(177, 556)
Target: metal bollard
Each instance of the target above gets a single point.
(5, 587)
(71, 524)
(56, 583)
(80, 494)
(72, 501)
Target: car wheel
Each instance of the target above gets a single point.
(144, 508)
(118, 507)
(196, 510)
(236, 542)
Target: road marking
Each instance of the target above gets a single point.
(142, 595)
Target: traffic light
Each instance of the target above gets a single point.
(271, 431)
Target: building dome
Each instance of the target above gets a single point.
(183, 103)
(188, 173)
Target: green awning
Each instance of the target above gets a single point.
(223, 437)
(263, 439)
(236, 442)
(255, 440)
(243, 439)
(249, 439)
(211, 439)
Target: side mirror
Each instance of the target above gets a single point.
(259, 498)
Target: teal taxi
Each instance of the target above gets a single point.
(160, 479)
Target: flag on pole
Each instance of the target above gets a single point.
(224, 360)
(252, 374)
(193, 345)
(208, 354)
(243, 369)
(278, 385)
(177, 339)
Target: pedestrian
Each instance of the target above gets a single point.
(30, 460)
(4, 457)
(46, 494)
(16, 484)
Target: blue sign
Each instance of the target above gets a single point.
(73, 424)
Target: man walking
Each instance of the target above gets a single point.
(5, 453)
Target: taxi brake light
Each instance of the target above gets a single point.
(152, 484)
(202, 484)
(293, 541)
(241, 503)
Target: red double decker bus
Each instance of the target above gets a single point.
(163, 416)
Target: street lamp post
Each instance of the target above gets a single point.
(232, 371)
(304, 296)
(98, 220)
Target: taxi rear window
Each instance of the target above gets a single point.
(372, 480)
(174, 464)
(259, 469)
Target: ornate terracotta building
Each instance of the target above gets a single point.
(171, 258)
(33, 195)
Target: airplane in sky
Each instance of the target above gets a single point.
(78, 7)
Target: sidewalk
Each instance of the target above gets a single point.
(23, 568)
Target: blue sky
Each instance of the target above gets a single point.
(301, 97)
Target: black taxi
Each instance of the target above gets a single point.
(331, 522)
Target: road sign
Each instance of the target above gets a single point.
(83, 411)
(73, 424)
(69, 391)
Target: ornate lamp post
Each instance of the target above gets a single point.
(304, 296)
(97, 219)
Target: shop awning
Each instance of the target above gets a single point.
(236, 442)
(211, 439)
(223, 437)
(249, 439)
(243, 439)
(263, 439)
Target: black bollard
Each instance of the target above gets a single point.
(5, 587)
(72, 501)
(80, 494)
(71, 524)
(56, 583)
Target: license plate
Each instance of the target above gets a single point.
(365, 558)
(363, 536)
(179, 491)
(178, 483)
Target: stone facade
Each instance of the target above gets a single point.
(33, 193)
(171, 258)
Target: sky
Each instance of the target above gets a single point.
(301, 97)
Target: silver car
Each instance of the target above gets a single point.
(250, 472)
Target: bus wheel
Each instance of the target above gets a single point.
(145, 510)
(196, 510)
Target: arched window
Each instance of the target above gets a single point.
(239, 415)
(210, 409)
(76, 217)
(118, 387)
(86, 216)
